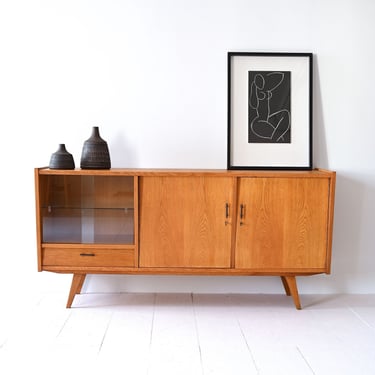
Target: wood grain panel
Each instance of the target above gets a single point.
(183, 223)
(285, 223)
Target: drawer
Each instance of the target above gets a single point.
(88, 256)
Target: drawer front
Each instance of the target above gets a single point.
(88, 257)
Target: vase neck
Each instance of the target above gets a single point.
(95, 131)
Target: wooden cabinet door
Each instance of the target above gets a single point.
(282, 224)
(186, 221)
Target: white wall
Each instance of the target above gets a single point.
(152, 76)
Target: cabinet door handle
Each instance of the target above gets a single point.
(226, 213)
(87, 254)
(242, 211)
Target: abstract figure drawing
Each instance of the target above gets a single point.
(269, 107)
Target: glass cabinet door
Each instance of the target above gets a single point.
(87, 209)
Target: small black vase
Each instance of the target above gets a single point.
(61, 159)
(95, 153)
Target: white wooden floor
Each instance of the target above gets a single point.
(190, 334)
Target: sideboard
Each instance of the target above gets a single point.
(185, 222)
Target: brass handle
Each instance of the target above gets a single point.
(226, 213)
(242, 211)
(87, 254)
(242, 214)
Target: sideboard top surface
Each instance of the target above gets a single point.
(187, 172)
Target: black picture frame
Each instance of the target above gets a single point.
(270, 110)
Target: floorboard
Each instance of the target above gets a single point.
(194, 334)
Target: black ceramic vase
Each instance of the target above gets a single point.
(61, 159)
(95, 153)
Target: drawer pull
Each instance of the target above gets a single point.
(87, 254)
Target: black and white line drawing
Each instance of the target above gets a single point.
(269, 107)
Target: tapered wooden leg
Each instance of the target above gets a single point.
(286, 286)
(291, 289)
(75, 288)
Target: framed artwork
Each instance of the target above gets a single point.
(269, 110)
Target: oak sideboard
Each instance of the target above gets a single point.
(185, 222)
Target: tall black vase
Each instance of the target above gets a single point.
(95, 153)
